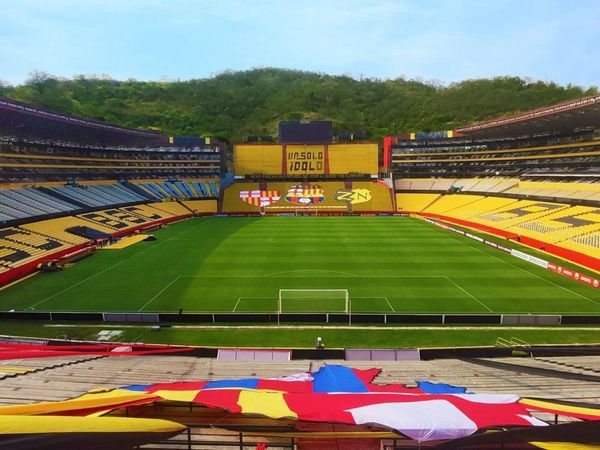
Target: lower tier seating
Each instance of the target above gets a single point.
(573, 227)
(34, 241)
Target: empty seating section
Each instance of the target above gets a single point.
(99, 195)
(573, 227)
(116, 219)
(414, 202)
(35, 202)
(582, 191)
(19, 246)
(541, 189)
(180, 189)
(201, 206)
(56, 228)
(481, 206)
(422, 185)
(30, 200)
(36, 240)
(16, 206)
(446, 204)
(150, 211)
(172, 208)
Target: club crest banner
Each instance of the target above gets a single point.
(305, 195)
(354, 196)
(260, 198)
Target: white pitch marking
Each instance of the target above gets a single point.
(160, 292)
(469, 294)
(530, 273)
(388, 302)
(236, 304)
(97, 273)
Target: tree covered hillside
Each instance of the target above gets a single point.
(235, 104)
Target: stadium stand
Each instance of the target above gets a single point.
(548, 143)
(572, 227)
(180, 189)
(328, 197)
(509, 187)
(25, 245)
(35, 202)
(37, 144)
(201, 206)
(414, 202)
(558, 379)
(534, 176)
(60, 194)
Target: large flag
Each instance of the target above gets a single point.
(90, 433)
(344, 395)
(428, 411)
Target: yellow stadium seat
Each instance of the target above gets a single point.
(414, 202)
(201, 206)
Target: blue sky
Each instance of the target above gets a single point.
(445, 40)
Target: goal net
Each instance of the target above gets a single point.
(313, 300)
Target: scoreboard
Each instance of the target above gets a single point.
(306, 159)
(305, 132)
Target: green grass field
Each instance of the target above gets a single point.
(387, 264)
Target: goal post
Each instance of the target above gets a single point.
(313, 300)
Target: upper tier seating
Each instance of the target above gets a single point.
(180, 189)
(99, 195)
(459, 158)
(30, 202)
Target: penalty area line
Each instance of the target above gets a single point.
(526, 271)
(469, 294)
(160, 292)
(385, 298)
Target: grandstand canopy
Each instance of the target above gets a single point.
(562, 117)
(24, 121)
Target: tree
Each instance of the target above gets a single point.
(236, 104)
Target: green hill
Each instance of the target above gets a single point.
(234, 104)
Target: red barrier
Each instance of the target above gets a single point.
(582, 278)
(473, 225)
(387, 152)
(30, 267)
(10, 350)
(129, 231)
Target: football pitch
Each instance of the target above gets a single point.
(384, 264)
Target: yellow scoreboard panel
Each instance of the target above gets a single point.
(310, 159)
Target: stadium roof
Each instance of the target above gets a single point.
(565, 116)
(33, 121)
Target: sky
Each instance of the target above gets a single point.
(445, 40)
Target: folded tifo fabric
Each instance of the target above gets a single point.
(429, 411)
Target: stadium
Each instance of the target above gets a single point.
(282, 270)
